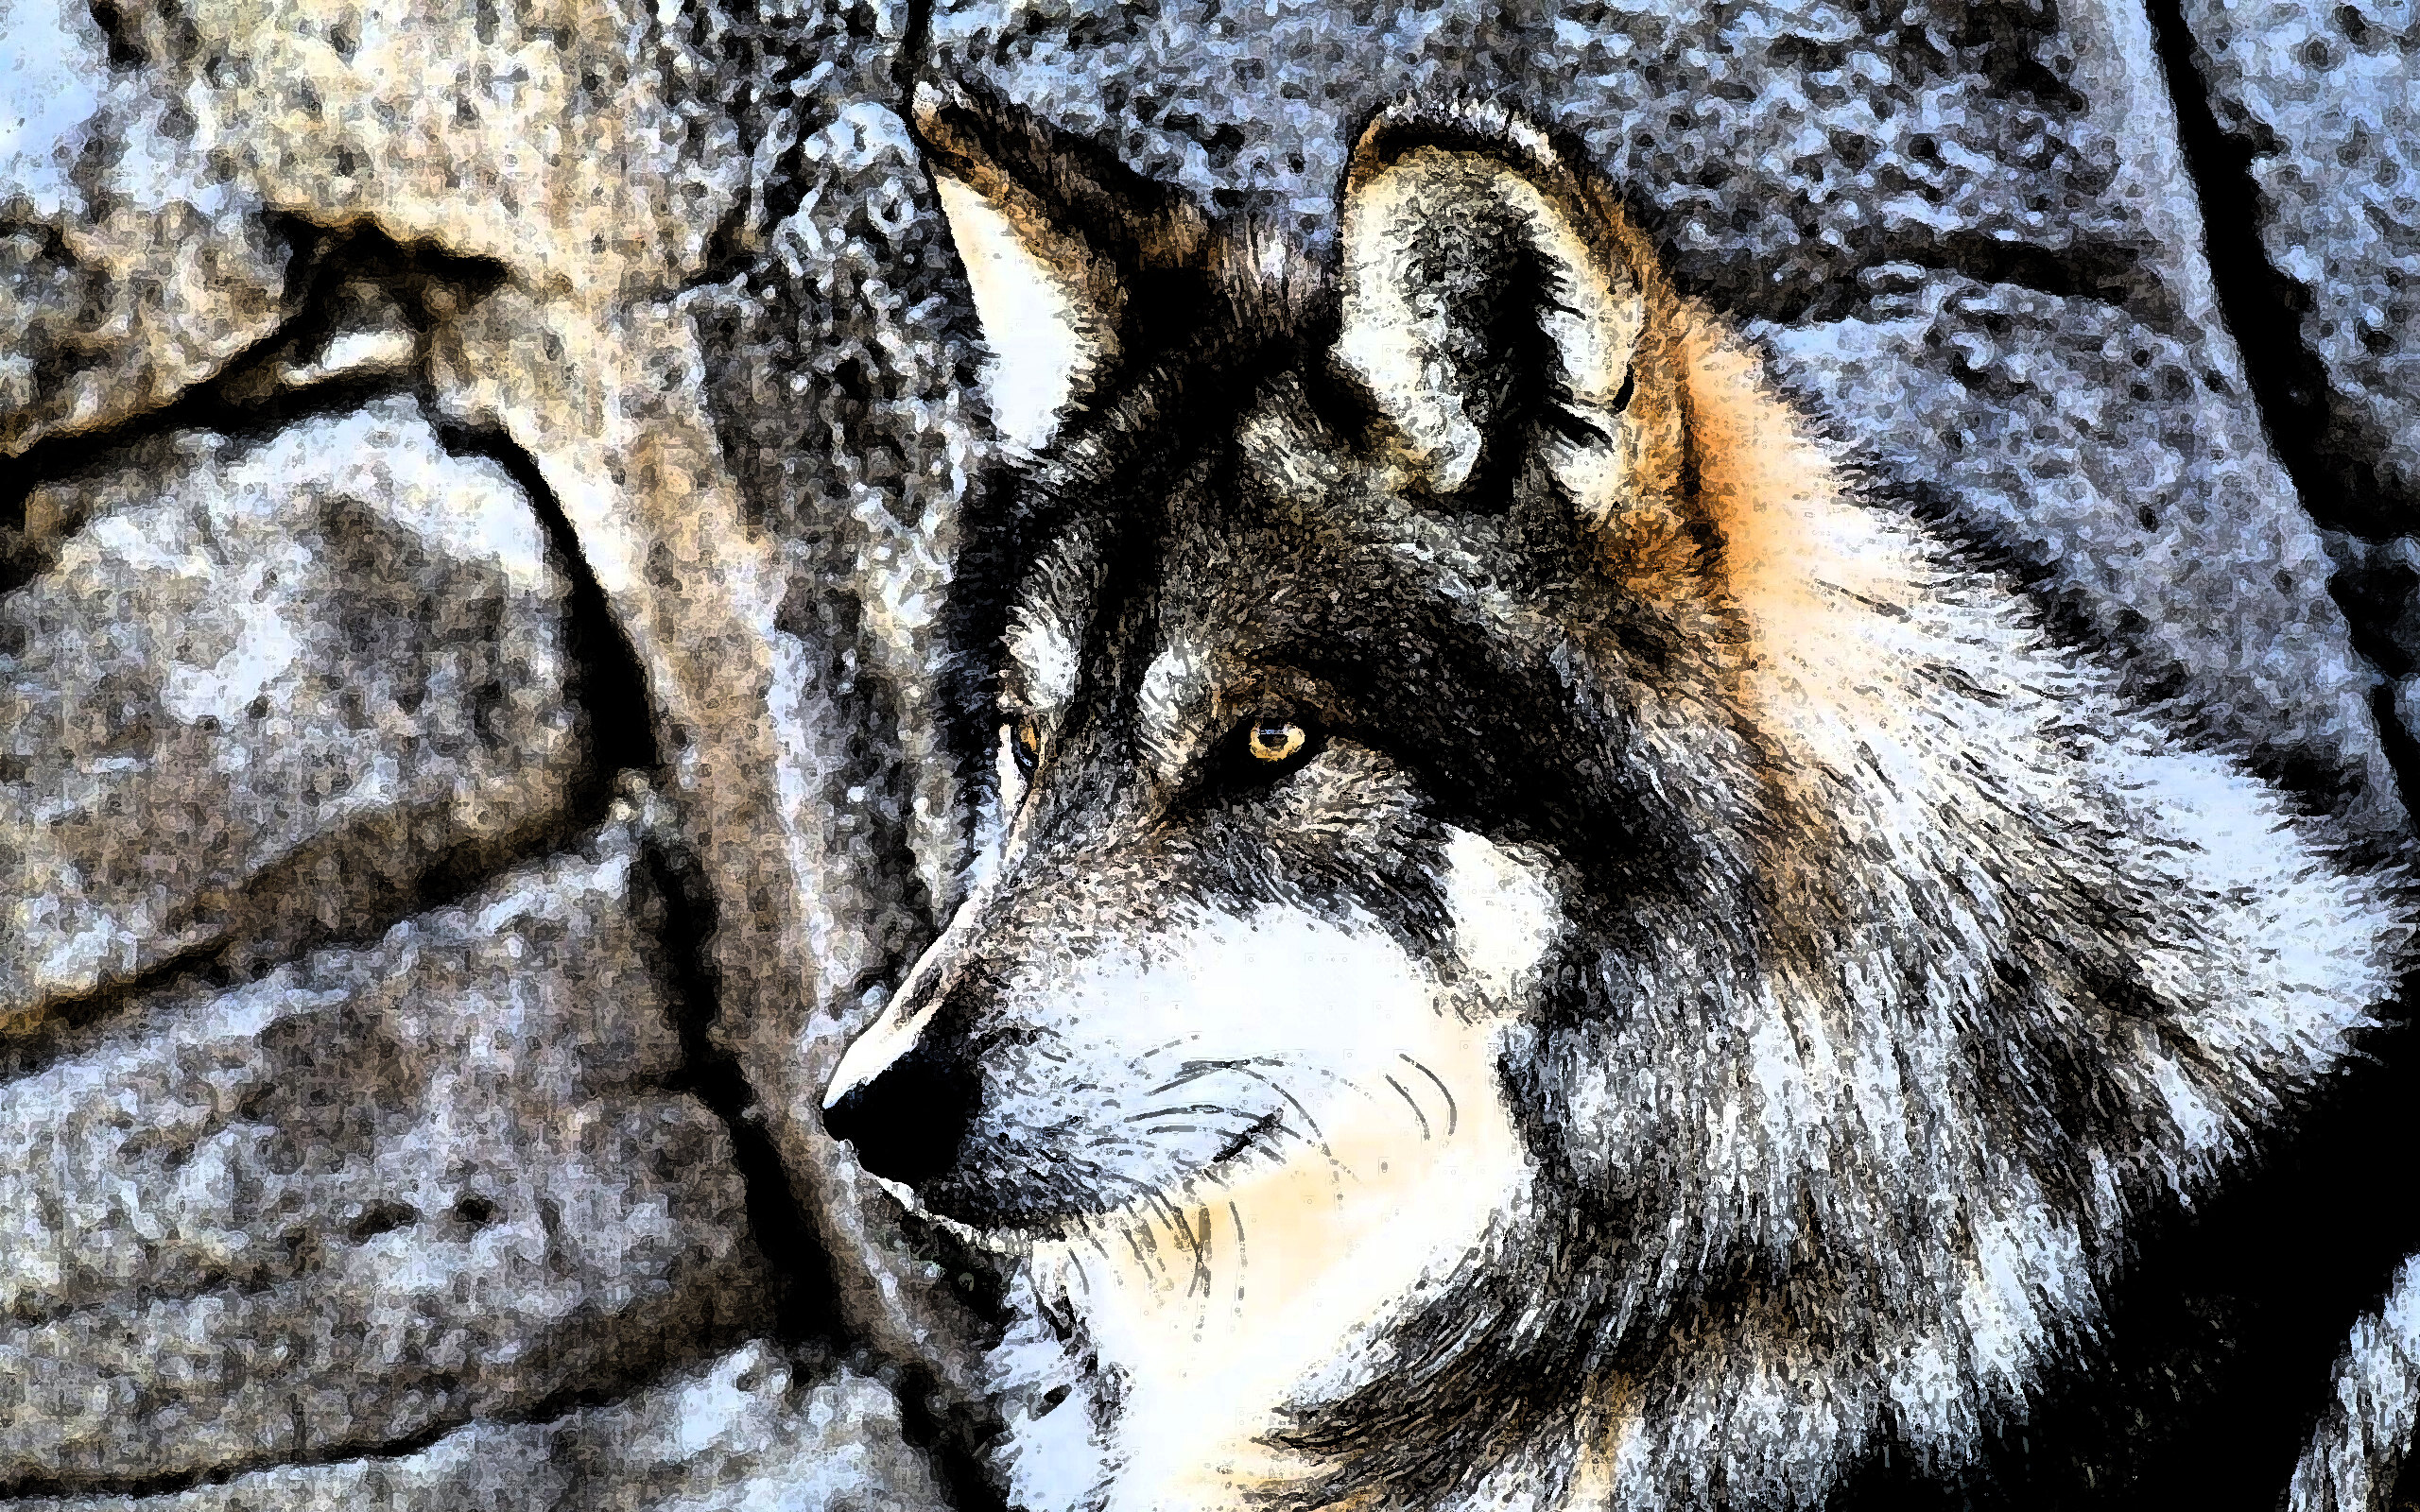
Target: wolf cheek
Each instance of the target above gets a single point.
(1036, 1078)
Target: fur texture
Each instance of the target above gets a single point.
(1711, 986)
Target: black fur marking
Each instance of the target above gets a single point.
(1831, 1040)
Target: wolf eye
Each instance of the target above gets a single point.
(1266, 748)
(1274, 740)
(1025, 746)
(1261, 752)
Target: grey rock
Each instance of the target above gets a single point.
(1782, 146)
(743, 1434)
(2327, 99)
(2323, 103)
(131, 266)
(178, 172)
(840, 368)
(369, 1196)
(260, 686)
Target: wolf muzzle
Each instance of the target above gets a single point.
(904, 1096)
(909, 1121)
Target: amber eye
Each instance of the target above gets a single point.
(1274, 740)
(1025, 745)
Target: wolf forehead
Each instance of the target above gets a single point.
(1249, 546)
(1274, 571)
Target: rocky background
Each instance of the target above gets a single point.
(475, 486)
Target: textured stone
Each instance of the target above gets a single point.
(259, 685)
(131, 266)
(838, 368)
(176, 168)
(593, 181)
(358, 333)
(1781, 146)
(741, 1435)
(2322, 104)
(2327, 98)
(367, 1197)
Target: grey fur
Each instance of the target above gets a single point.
(2364, 1435)
(1890, 989)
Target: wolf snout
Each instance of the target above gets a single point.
(908, 1121)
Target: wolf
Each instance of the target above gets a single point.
(1539, 936)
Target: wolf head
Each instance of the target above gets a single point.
(1503, 852)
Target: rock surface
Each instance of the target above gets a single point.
(386, 383)
(367, 1197)
(513, 215)
(258, 687)
(839, 370)
(2310, 115)
(130, 268)
(741, 1435)
(2323, 103)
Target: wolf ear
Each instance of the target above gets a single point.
(1493, 298)
(1054, 236)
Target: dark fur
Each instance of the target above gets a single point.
(1501, 681)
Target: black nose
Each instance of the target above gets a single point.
(909, 1122)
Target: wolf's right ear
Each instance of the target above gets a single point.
(1054, 236)
(1495, 294)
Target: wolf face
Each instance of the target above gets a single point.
(1536, 941)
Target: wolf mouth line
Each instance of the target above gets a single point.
(1536, 938)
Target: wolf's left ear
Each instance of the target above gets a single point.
(1495, 298)
(1055, 235)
